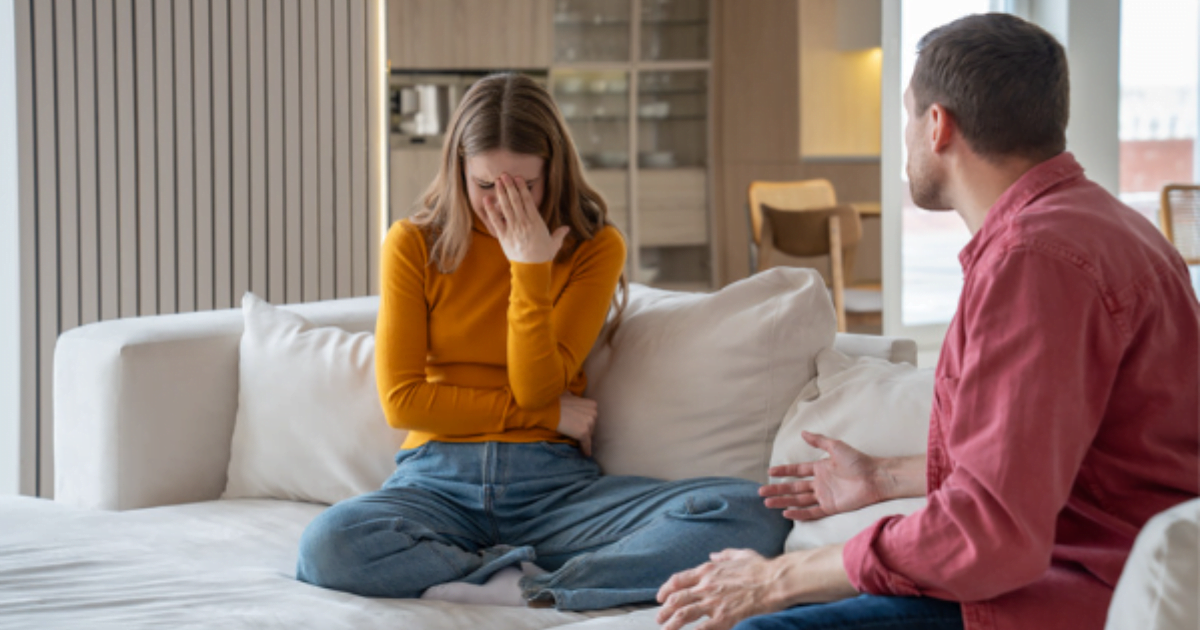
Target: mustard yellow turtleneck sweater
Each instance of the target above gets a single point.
(483, 354)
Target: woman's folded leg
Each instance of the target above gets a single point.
(618, 540)
(397, 542)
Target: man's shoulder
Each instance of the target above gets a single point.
(1082, 223)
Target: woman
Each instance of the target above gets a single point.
(492, 296)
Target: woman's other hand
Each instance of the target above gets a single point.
(512, 217)
(577, 420)
(843, 482)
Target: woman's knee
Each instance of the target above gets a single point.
(750, 523)
(326, 556)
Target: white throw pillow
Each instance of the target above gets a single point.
(696, 384)
(1158, 586)
(309, 422)
(877, 407)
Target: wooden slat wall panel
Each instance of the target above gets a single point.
(309, 147)
(46, 154)
(326, 153)
(182, 152)
(360, 212)
(164, 113)
(147, 172)
(239, 145)
(68, 164)
(185, 156)
(257, 139)
(28, 196)
(222, 143)
(87, 193)
(105, 63)
(276, 228)
(293, 150)
(203, 124)
(127, 157)
(341, 148)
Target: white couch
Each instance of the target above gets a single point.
(138, 534)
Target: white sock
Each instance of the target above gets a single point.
(502, 589)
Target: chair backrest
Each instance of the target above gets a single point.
(806, 232)
(794, 195)
(1180, 219)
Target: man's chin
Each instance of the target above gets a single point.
(925, 200)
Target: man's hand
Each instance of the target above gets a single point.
(736, 584)
(577, 420)
(739, 583)
(845, 481)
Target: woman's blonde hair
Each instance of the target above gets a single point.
(511, 112)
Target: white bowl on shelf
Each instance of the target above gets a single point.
(660, 109)
(570, 85)
(656, 159)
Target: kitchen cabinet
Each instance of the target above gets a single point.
(469, 34)
(412, 169)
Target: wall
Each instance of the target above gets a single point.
(758, 114)
(10, 259)
(175, 154)
(839, 89)
(1089, 30)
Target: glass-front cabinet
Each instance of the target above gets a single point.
(632, 79)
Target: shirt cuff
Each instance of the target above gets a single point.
(866, 571)
(531, 282)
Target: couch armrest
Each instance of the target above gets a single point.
(894, 349)
(145, 407)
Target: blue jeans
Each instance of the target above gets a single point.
(864, 612)
(461, 512)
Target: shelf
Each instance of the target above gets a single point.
(599, 119)
(673, 118)
(657, 23)
(657, 92)
(590, 23)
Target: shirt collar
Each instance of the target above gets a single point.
(1024, 191)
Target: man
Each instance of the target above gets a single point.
(1067, 396)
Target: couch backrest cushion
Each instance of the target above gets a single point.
(696, 384)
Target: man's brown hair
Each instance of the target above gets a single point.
(1004, 81)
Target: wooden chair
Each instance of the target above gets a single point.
(1179, 216)
(803, 219)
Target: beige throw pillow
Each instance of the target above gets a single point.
(309, 422)
(877, 407)
(696, 384)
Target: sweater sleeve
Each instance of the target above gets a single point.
(1041, 355)
(550, 336)
(409, 400)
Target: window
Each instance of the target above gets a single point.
(1159, 110)
(931, 278)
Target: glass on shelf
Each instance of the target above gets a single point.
(672, 115)
(595, 105)
(591, 30)
(674, 30)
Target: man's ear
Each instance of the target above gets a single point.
(942, 128)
